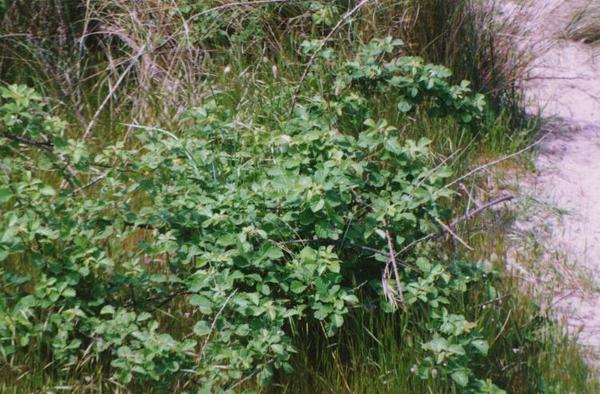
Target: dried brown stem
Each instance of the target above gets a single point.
(393, 263)
(455, 222)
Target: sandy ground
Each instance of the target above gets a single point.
(564, 85)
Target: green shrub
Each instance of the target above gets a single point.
(248, 229)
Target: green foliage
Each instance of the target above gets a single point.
(410, 80)
(22, 113)
(217, 25)
(251, 228)
(193, 256)
(456, 343)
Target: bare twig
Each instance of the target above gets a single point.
(245, 379)
(462, 187)
(44, 145)
(393, 263)
(476, 211)
(89, 184)
(493, 163)
(214, 323)
(350, 244)
(112, 91)
(503, 327)
(452, 233)
(387, 290)
(455, 222)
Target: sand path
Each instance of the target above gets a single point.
(564, 84)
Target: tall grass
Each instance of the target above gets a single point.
(585, 24)
(376, 352)
(77, 50)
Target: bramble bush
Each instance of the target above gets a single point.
(232, 232)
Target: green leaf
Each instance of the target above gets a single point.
(144, 316)
(338, 320)
(277, 348)
(202, 328)
(481, 345)
(457, 349)
(404, 106)
(297, 287)
(392, 145)
(69, 293)
(436, 345)
(24, 341)
(350, 299)
(47, 190)
(202, 302)
(107, 310)
(317, 204)
(254, 298)
(423, 264)
(5, 194)
(308, 255)
(273, 253)
(461, 378)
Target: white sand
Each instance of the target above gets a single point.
(564, 85)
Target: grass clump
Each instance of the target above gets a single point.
(527, 353)
(585, 25)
